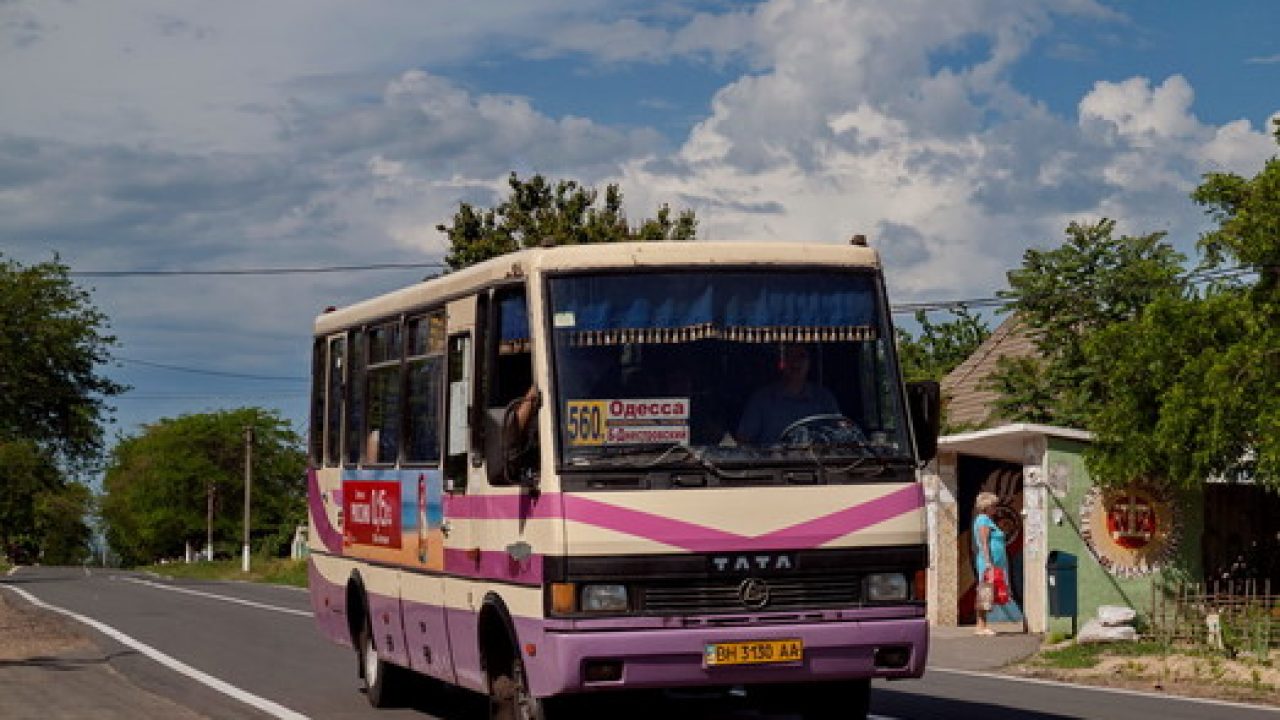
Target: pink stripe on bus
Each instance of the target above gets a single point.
(699, 538)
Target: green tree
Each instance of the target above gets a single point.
(52, 404)
(159, 483)
(1192, 381)
(1092, 281)
(940, 347)
(52, 341)
(540, 214)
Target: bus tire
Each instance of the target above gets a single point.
(509, 695)
(382, 680)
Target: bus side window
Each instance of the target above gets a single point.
(382, 436)
(319, 390)
(333, 423)
(457, 412)
(510, 377)
(424, 366)
(355, 397)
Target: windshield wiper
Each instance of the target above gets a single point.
(880, 463)
(700, 457)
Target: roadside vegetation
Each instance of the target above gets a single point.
(1176, 668)
(278, 571)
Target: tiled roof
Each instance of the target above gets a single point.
(967, 401)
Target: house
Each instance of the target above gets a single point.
(1124, 544)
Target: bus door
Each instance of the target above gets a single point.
(462, 468)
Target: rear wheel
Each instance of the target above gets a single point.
(382, 680)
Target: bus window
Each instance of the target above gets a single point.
(355, 397)
(424, 366)
(456, 439)
(315, 448)
(333, 427)
(382, 436)
(509, 448)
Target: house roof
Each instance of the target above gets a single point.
(967, 401)
(1007, 442)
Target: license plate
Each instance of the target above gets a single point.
(754, 652)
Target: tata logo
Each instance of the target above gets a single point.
(753, 563)
(753, 593)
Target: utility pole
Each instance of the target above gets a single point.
(208, 524)
(248, 484)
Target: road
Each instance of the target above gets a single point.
(239, 650)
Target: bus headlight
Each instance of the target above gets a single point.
(604, 598)
(886, 587)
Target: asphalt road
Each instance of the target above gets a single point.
(257, 647)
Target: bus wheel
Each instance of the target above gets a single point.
(381, 679)
(509, 696)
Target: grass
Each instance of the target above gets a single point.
(1075, 657)
(275, 570)
(4, 568)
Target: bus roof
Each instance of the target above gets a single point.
(601, 256)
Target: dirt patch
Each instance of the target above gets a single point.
(1251, 681)
(30, 632)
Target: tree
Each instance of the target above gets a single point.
(940, 347)
(538, 214)
(159, 484)
(52, 403)
(51, 343)
(1091, 282)
(1193, 379)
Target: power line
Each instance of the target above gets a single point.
(219, 373)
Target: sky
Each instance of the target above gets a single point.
(154, 135)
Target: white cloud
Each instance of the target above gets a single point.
(321, 132)
(849, 129)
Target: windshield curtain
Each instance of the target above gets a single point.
(734, 363)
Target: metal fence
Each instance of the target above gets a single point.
(1235, 616)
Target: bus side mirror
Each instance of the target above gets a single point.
(924, 404)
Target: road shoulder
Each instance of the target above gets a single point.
(50, 668)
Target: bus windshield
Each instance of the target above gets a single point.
(724, 366)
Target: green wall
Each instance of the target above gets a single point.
(1096, 586)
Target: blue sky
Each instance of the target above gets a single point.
(148, 134)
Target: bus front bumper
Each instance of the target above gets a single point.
(621, 658)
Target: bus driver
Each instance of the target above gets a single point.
(774, 407)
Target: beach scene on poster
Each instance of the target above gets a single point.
(394, 516)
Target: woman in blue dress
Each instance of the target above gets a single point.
(989, 548)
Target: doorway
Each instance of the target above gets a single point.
(975, 475)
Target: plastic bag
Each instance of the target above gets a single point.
(999, 586)
(986, 598)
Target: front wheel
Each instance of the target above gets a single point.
(509, 696)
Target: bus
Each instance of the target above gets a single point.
(582, 469)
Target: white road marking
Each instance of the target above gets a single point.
(271, 708)
(1116, 691)
(12, 570)
(224, 598)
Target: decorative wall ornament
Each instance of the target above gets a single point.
(1132, 530)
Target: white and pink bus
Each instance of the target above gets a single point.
(628, 466)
